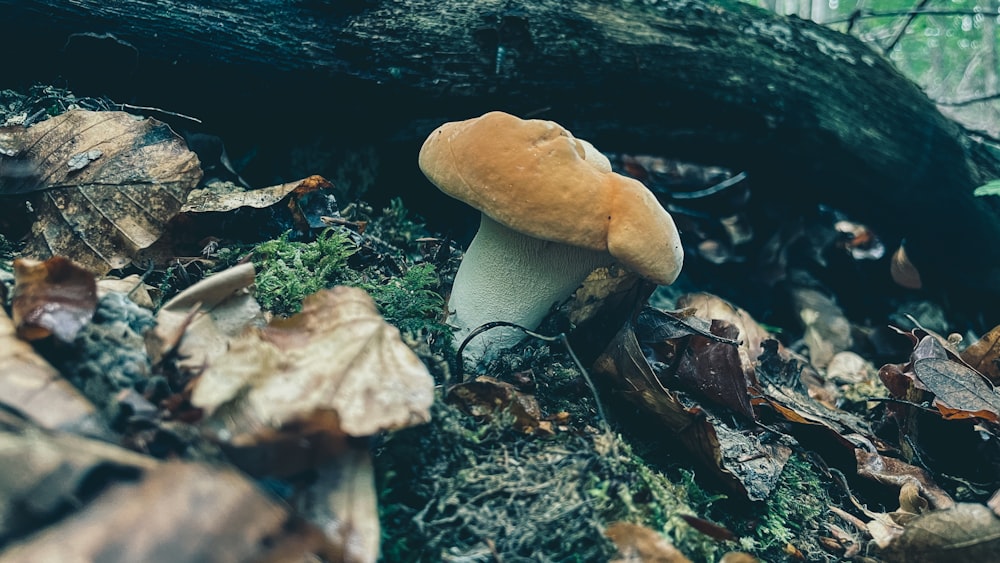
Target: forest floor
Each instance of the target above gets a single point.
(786, 399)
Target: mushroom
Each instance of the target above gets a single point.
(552, 212)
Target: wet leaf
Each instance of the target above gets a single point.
(342, 503)
(34, 389)
(737, 457)
(710, 529)
(639, 544)
(984, 355)
(718, 371)
(897, 473)
(176, 512)
(108, 184)
(55, 297)
(708, 306)
(337, 368)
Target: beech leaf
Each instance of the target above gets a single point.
(108, 183)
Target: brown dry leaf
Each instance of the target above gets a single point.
(708, 306)
(111, 183)
(55, 297)
(132, 286)
(44, 473)
(306, 204)
(984, 355)
(176, 512)
(342, 503)
(963, 532)
(33, 388)
(639, 544)
(485, 396)
(201, 321)
(335, 368)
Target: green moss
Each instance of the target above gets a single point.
(411, 303)
(289, 271)
(458, 488)
(794, 507)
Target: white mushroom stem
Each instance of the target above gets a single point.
(509, 276)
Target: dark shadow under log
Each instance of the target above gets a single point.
(812, 115)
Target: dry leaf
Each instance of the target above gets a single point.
(897, 473)
(335, 368)
(110, 183)
(176, 512)
(132, 286)
(55, 297)
(963, 532)
(639, 544)
(959, 391)
(485, 396)
(342, 503)
(33, 388)
(201, 321)
(984, 355)
(45, 473)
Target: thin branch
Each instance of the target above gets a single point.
(899, 32)
(967, 101)
(867, 14)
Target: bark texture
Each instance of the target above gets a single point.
(812, 115)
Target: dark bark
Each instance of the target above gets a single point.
(812, 115)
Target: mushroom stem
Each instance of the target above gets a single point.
(509, 276)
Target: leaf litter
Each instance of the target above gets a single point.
(709, 375)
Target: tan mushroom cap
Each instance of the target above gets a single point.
(532, 176)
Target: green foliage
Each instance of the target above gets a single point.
(991, 188)
(289, 271)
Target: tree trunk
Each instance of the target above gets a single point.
(812, 115)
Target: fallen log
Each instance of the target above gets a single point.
(812, 115)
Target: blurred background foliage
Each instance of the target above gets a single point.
(948, 47)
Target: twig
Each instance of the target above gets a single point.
(968, 101)
(866, 15)
(561, 337)
(163, 111)
(899, 32)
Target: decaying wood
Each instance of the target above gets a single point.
(812, 115)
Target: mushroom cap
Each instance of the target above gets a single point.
(534, 177)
